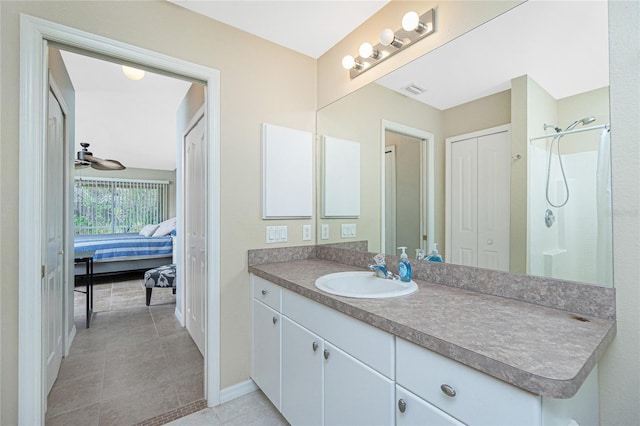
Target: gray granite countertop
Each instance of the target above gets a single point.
(546, 351)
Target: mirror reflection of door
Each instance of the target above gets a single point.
(403, 225)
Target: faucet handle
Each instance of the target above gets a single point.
(379, 259)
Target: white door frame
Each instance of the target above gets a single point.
(427, 180)
(34, 33)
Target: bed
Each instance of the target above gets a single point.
(116, 253)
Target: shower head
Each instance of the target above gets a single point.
(583, 121)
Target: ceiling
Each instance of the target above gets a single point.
(310, 27)
(133, 122)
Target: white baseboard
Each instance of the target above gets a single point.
(69, 341)
(237, 390)
(178, 315)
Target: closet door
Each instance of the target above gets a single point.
(494, 153)
(464, 202)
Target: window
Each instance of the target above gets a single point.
(110, 206)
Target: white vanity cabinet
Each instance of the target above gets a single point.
(302, 375)
(411, 410)
(266, 339)
(355, 394)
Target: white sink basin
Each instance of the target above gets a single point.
(363, 284)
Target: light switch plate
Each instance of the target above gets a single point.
(348, 230)
(306, 232)
(276, 234)
(325, 232)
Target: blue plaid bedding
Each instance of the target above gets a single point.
(124, 246)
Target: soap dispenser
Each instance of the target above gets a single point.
(434, 256)
(404, 267)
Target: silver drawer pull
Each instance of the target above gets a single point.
(314, 346)
(402, 406)
(326, 354)
(448, 390)
(264, 292)
(275, 320)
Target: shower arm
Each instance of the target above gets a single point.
(568, 132)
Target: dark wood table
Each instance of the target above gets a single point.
(86, 257)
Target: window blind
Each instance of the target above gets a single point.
(110, 206)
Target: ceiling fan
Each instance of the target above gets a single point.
(85, 159)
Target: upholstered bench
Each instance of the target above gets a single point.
(163, 276)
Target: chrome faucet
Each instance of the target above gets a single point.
(381, 271)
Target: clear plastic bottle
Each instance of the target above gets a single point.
(404, 267)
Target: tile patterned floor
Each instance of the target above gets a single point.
(253, 409)
(134, 363)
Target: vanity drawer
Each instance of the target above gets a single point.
(266, 292)
(364, 342)
(479, 399)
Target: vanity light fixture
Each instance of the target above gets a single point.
(414, 27)
(133, 73)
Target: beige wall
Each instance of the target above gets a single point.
(484, 113)
(594, 103)
(619, 371)
(280, 90)
(453, 18)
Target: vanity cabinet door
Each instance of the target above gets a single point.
(355, 394)
(301, 375)
(265, 357)
(414, 411)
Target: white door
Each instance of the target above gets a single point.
(464, 203)
(494, 152)
(195, 219)
(52, 285)
(302, 350)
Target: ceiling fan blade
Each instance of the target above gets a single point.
(100, 164)
(81, 164)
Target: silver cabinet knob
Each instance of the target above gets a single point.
(326, 354)
(275, 320)
(314, 346)
(448, 390)
(490, 242)
(402, 406)
(264, 292)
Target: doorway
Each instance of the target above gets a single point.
(36, 34)
(408, 188)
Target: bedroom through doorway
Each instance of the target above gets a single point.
(130, 219)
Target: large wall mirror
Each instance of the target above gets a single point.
(494, 146)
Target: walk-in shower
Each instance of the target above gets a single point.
(569, 202)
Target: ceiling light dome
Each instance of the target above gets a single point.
(133, 73)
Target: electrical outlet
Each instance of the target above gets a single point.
(306, 232)
(325, 232)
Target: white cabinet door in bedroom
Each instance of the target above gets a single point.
(195, 215)
(52, 287)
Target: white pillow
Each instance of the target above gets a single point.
(148, 230)
(165, 228)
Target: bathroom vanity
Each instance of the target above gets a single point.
(442, 355)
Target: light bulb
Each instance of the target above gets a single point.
(348, 62)
(410, 21)
(387, 36)
(366, 50)
(133, 73)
